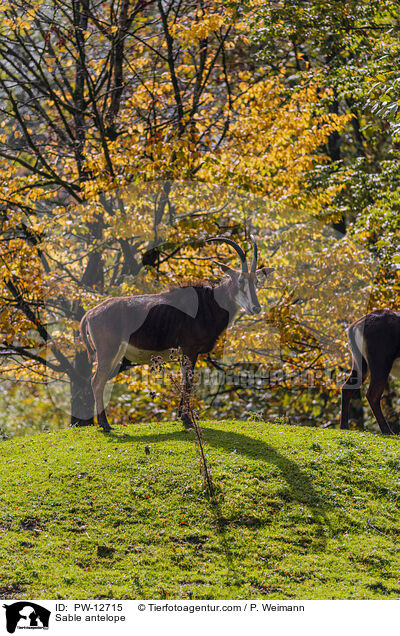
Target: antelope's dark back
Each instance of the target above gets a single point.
(381, 330)
(167, 326)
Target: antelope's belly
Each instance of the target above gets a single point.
(396, 368)
(144, 356)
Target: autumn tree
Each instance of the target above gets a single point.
(104, 108)
(352, 47)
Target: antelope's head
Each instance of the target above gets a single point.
(243, 287)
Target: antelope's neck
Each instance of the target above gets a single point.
(224, 296)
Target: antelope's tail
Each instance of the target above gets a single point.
(359, 358)
(83, 327)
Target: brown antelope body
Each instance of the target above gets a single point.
(375, 345)
(190, 318)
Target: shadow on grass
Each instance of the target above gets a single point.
(300, 486)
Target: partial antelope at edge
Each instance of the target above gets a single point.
(375, 345)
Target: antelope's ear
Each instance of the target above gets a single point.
(265, 271)
(227, 270)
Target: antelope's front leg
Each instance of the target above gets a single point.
(186, 387)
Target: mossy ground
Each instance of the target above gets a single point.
(301, 514)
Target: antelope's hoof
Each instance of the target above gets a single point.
(187, 422)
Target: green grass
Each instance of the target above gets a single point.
(301, 514)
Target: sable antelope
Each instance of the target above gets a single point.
(375, 345)
(191, 318)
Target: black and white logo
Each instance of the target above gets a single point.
(26, 615)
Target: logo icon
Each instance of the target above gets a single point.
(26, 615)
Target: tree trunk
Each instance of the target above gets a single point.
(334, 143)
(82, 399)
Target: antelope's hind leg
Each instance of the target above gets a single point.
(107, 359)
(351, 389)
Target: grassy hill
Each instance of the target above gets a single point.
(301, 514)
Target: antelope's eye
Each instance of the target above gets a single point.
(241, 282)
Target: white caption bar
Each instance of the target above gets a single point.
(182, 617)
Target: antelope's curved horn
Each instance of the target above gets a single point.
(236, 247)
(255, 253)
